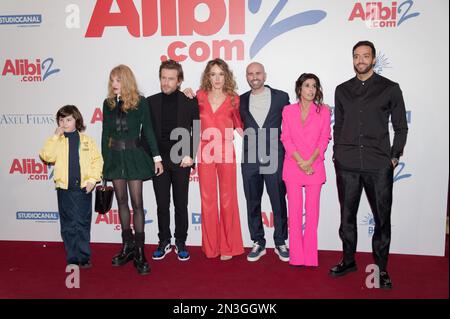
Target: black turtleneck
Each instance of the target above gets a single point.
(169, 119)
(74, 159)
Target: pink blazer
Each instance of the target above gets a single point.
(305, 138)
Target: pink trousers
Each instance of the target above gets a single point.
(303, 233)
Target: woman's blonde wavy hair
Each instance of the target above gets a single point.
(230, 86)
(129, 92)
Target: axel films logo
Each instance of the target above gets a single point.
(386, 14)
(21, 20)
(112, 218)
(43, 217)
(35, 170)
(184, 18)
(27, 119)
(29, 70)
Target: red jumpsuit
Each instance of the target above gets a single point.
(221, 227)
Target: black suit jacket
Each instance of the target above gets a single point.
(279, 99)
(188, 111)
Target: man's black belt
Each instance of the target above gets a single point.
(120, 145)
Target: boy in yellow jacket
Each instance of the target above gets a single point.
(78, 167)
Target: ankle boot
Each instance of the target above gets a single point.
(126, 254)
(140, 262)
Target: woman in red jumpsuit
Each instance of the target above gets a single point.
(219, 117)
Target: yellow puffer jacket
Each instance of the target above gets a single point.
(56, 150)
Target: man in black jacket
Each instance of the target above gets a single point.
(173, 116)
(262, 160)
(364, 157)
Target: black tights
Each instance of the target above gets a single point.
(135, 187)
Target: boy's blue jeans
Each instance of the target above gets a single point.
(75, 214)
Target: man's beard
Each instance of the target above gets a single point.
(364, 71)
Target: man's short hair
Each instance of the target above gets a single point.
(172, 65)
(366, 43)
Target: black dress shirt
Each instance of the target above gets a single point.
(361, 127)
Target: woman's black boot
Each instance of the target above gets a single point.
(126, 254)
(140, 262)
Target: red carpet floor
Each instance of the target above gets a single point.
(37, 270)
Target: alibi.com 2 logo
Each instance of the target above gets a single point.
(29, 70)
(383, 14)
(112, 218)
(35, 170)
(181, 21)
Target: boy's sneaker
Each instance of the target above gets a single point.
(163, 249)
(282, 252)
(181, 251)
(86, 264)
(257, 252)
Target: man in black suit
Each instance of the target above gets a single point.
(173, 116)
(262, 159)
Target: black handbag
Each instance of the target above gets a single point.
(103, 198)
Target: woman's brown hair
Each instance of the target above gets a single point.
(230, 85)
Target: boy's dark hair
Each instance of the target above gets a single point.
(68, 110)
(172, 65)
(366, 43)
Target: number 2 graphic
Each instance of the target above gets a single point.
(405, 17)
(270, 31)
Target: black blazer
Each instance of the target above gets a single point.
(188, 111)
(279, 99)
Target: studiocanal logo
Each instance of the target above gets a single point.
(38, 216)
(21, 20)
(383, 14)
(207, 18)
(35, 170)
(28, 70)
(27, 119)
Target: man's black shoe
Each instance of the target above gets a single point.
(342, 269)
(385, 280)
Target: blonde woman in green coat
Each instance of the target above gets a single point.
(125, 113)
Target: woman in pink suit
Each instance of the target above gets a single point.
(219, 117)
(305, 136)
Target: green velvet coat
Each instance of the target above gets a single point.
(129, 164)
